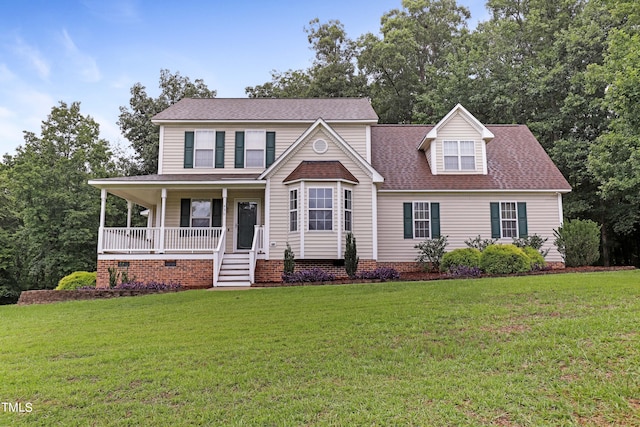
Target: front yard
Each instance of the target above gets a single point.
(534, 350)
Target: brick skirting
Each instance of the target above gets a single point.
(269, 271)
(190, 273)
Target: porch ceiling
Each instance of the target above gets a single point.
(146, 190)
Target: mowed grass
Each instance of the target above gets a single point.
(538, 350)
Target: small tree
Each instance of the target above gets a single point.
(536, 242)
(351, 256)
(578, 241)
(479, 243)
(430, 252)
(289, 260)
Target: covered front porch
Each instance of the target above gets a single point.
(188, 218)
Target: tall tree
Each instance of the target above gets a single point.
(135, 120)
(57, 210)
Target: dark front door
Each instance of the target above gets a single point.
(247, 219)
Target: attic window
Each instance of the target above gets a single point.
(320, 146)
(459, 155)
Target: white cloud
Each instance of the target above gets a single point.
(33, 57)
(85, 64)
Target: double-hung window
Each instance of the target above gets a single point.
(508, 219)
(200, 213)
(254, 146)
(293, 210)
(421, 218)
(204, 148)
(459, 155)
(348, 212)
(320, 209)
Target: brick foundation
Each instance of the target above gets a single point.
(271, 270)
(190, 273)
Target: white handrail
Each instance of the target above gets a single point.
(147, 239)
(218, 255)
(257, 246)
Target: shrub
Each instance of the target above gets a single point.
(464, 271)
(479, 243)
(313, 275)
(76, 280)
(380, 273)
(578, 241)
(536, 260)
(504, 259)
(158, 286)
(536, 242)
(289, 260)
(465, 257)
(430, 252)
(351, 256)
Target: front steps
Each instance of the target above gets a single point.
(234, 270)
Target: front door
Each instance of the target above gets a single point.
(247, 220)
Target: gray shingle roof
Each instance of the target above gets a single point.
(265, 109)
(515, 161)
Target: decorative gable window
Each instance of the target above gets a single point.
(255, 149)
(508, 219)
(293, 210)
(202, 147)
(321, 209)
(421, 220)
(459, 155)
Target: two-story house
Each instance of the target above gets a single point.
(238, 179)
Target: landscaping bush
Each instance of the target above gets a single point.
(76, 280)
(536, 242)
(465, 257)
(536, 260)
(479, 243)
(380, 273)
(158, 286)
(464, 271)
(313, 275)
(504, 259)
(430, 252)
(289, 260)
(578, 241)
(351, 258)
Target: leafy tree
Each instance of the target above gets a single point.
(9, 249)
(135, 120)
(578, 242)
(57, 210)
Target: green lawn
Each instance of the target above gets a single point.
(539, 350)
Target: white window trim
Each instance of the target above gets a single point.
(296, 210)
(195, 148)
(350, 210)
(191, 217)
(264, 147)
(414, 220)
(516, 219)
(458, 155)
(309, 209)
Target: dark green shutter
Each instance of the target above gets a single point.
(188, 150)
(239, 151)
(271, 148)
(408, 220)
(216, 220)
(522, 220)
(435, 220)
(220, 149)
(495, 220)
(185, 212)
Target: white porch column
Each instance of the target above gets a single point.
(303, 224)
(162, 219)
(103, 208)
(129, 207)
(338, 203)
(267, 219)
(224, 209)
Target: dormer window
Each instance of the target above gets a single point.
(459, 156)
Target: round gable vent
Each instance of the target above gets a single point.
(320, 146)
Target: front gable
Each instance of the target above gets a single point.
(457, 144)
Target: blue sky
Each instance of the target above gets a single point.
(93, 51)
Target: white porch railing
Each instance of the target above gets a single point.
(148, 239)
(218, 255)
(256, 248)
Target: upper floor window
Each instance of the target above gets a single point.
(459, 155)
(204, 145)
(321, 209)
(254, 146)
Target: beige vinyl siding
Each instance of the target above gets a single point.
(320, 244)
(462, 216)
(172, 157)
(457, 128)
